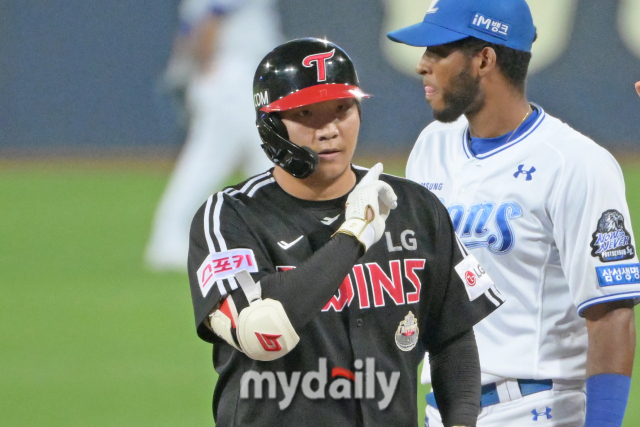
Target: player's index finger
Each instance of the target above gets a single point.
(372, 175)
(386, 194)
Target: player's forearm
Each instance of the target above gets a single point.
(612, 338)
(455, 375)
(612, 341)
(305, 290)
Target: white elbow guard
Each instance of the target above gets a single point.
(263, 329)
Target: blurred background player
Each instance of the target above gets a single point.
(542, 207)
(215, 52)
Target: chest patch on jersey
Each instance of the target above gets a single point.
(223, 265)
(476, 280)
(622, 274)
(407, 333)
(611, 241)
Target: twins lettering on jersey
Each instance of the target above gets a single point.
(371, 278)
(484, 225)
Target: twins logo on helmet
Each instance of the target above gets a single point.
(321, 61)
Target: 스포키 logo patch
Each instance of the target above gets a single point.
(611, 241)
(407, 333)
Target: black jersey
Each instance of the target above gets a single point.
(356, 362)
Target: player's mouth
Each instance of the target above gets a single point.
(329, 153)
(429, 92)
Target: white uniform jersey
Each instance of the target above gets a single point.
(546, 215)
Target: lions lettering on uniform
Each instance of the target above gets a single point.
(482, 220)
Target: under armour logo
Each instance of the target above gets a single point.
(320, 59)
(536, 414)
(529, 172)
(269, 341)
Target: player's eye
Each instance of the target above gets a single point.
(304, 113)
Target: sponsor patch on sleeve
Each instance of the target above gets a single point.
(476, 280)
(223, 265)
(611, 241)
(623, 274)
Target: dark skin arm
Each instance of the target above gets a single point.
(612, 338)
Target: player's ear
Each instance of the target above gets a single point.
(486, 60)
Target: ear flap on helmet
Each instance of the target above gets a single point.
(295, 160)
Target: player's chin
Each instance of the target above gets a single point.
(334, 168)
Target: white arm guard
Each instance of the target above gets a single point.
(263, 329)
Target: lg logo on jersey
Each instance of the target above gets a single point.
(475, 226)
(472, 276)
(345, 384)
(407, 240)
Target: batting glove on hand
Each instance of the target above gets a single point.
(368, 207)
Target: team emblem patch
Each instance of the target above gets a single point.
(611, 241)
(407, 333)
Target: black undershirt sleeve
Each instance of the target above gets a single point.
(455, 376)
(306, 289)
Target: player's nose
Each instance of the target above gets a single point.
(423, 66)
(328, 131)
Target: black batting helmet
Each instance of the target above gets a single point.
(299, 72)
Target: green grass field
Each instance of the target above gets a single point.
(88, 336)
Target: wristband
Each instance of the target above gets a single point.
(607, 396)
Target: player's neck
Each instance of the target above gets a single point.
(315, 187)
(502, 113)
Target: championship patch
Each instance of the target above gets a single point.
(407, 333)
(476, 280)
(611, 241)
(223, 265)
(623, 274)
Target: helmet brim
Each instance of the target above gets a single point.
(313, 95)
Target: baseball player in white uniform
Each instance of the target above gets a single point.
(218, 45)
(542, 207)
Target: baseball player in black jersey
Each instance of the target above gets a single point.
(319, 297)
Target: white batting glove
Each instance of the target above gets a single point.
(368, 207)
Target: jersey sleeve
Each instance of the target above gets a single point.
(220, 245)
(465, 293)
(592, 230)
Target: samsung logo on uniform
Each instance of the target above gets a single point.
(432, 186)
(623, 274)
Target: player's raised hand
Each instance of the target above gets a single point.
(638, 88)
(368, 207)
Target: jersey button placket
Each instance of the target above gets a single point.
(359, 322)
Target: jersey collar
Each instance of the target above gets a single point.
(520, 136)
